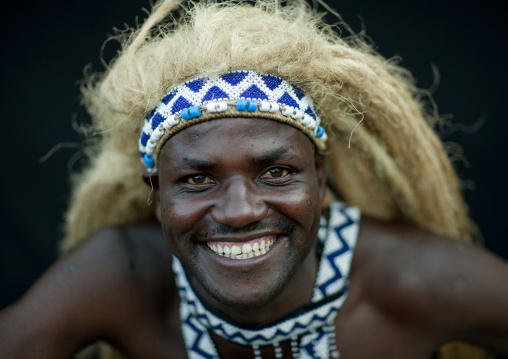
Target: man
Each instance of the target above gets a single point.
(255, 122)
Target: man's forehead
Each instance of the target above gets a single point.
(264, 140)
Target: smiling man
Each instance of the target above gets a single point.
(300, 206)
(243, 223)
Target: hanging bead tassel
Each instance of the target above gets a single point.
(257, 352)
(334, 352)
(295, 349)
(278, 351)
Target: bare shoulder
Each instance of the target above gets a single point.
(452, 288)
(93, 292)
(118, 260)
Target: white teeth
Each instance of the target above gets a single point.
(246, 248)
(237, 251)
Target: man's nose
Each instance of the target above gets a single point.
(239, 204)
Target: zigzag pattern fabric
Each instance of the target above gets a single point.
(341, 234)
(311, 332)
(247, 91)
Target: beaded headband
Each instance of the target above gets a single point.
(235, 94)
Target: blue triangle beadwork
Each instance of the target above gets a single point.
(215, 93)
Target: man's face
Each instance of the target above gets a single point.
(239, 203)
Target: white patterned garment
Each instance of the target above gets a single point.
(310, 329)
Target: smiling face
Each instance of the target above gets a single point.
(239, 203)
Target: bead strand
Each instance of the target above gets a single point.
(257, 352)
(295, 349)
(332, 344)
(278, 350)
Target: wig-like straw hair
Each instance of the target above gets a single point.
(383, 155)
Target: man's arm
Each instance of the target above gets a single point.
(470, 286)
(452, 290)
(84, 296)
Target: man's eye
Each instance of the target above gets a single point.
(199, 179)
(276, 172)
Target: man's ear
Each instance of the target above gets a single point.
(152, 180)
(320, 165)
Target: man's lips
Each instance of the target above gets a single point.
(243, 250)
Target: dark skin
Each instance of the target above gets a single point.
(410, 290)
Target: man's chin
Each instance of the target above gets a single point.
(246, 292)
(246, 300)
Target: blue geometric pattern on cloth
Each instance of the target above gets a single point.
(338, 237)
(199, 335)
(308, 349)
(248, 85)
(215, 93)
(254, 92)
(234, 78)
(342, 232)
(271, 81)
(195, 85)
(298, 92)
(156, 120)
(180, 104)
(144, 138)
(309, 112)
(166, 99)
(287, 99)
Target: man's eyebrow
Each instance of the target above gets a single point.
(194, 164)
(281, 153)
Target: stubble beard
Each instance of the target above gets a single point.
(285, 273)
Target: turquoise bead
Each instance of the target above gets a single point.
(149, 160)
(241, 104)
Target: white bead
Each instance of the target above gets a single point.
(274, 107)
(306, 120)
(157, 133)
(288, 110)
(324, 137)
(312, 125)
(170, 122)
(150, 147)
(221, 106)
(264, 107)
(210, 107)
(297, 114)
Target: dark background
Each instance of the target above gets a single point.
(46, 45)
